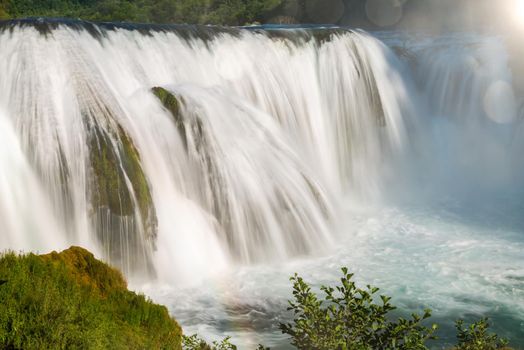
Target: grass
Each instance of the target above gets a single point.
(70, 300)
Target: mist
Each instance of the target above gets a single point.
(427, 15)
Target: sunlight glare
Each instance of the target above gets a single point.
(519, 11)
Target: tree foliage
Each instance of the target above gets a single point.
(225, 12)
(351, 318)
(477, 337)
(195, 343)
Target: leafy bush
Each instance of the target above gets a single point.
(195, 343)
(476, 337)
(70, 300)
(351, 318)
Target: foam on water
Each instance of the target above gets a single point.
(434, 256)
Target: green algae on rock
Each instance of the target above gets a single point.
(171, 103)
(113, 166)
(123, 208)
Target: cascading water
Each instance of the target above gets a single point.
(181, 153)
(474, 111)
(241, 149)
(18, 185)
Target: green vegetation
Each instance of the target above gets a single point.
(3, 12)
(112, 168)
(118, 190)
(70, 300)
(195, 343)
(170, 102)
(349, 318)
(230, 12)
(476, 337)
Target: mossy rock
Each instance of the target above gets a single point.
(111, 165)
(119, 189)
(198, 146)
(168, 100)
(171, 103)
(70, 300)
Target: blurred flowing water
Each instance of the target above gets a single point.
(289, 150)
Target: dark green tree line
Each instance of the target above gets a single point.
(227, 12)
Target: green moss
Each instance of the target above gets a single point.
(171, 103)
(111, 189)
(119, 190)
(133, 168)
(82, 266)
(168, 100)
(111, 165)
(70, 300)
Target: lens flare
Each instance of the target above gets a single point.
(519, 11)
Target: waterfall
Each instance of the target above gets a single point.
(176, 150)
(473, 112)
